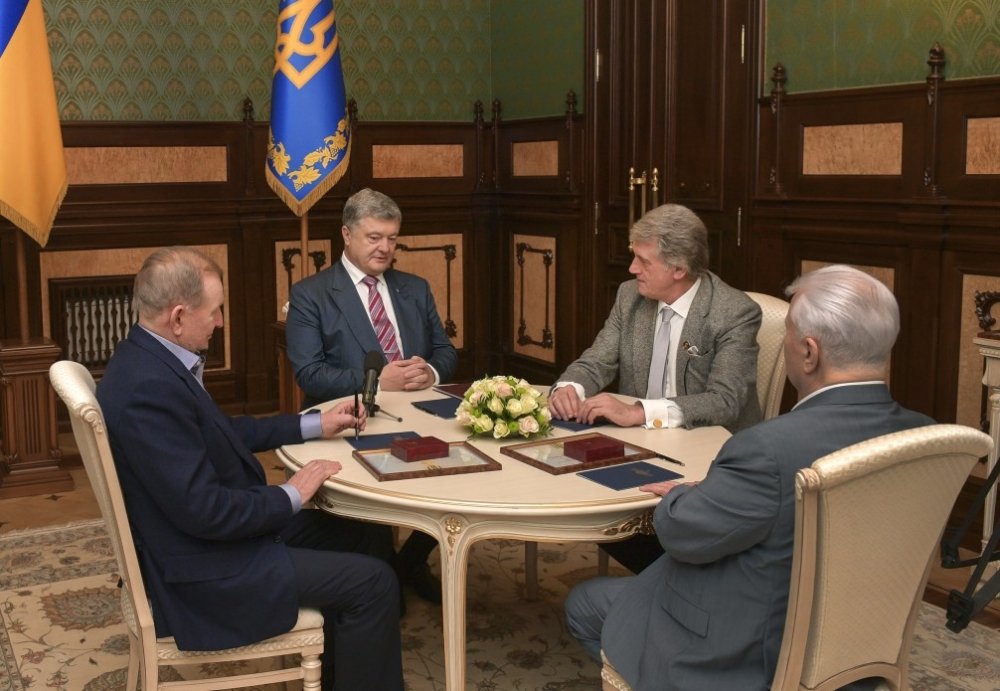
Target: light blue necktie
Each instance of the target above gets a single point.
(656, 386)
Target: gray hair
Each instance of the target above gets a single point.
(171, 276)
(368, 203)
(853, 315)
(680, 235)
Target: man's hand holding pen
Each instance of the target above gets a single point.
(344, 415)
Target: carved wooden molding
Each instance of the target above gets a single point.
(778, 79)
(984, 305)
(935, 61)
(450, 253)
(522, 335)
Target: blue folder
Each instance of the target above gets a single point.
(367, 442)
(628, 475)
(442, 407)
(574, 426)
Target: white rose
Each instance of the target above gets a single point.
(528, 404)
(544, 414)
(474, 398)
(514, 407)
(464, 418)
(500, 430)
(529, 425)
(484, 423)
(495, 405)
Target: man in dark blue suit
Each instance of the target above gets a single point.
(227, 558)
(361, 304)
(710, 612)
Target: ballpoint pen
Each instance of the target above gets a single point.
(357, 416)
(668, 459)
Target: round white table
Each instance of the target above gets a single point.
(519, 502)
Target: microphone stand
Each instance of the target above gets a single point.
(376, 409)
(964, 606)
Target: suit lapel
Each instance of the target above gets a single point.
(693, 331)
(155, 348)
(346, 298)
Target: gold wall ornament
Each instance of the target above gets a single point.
(291, 43)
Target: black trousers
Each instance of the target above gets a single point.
(342, 568)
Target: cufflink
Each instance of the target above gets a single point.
(657, 423)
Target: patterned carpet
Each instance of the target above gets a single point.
(60, 626)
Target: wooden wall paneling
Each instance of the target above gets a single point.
(433, 135)
(909, 268)
(973, 100)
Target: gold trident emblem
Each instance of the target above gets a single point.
(292, 43)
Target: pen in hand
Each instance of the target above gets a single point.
(357, 416)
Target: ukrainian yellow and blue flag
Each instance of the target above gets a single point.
(32, 166)
(309, 145)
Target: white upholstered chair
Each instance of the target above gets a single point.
(867, 521)
(771, 353)
(147, 654)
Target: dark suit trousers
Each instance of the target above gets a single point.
(358, 595)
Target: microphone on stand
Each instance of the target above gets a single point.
(374, 362)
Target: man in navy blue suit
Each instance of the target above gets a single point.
(361, 304)
(228, 559)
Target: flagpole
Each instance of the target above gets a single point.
(22, 284)
(304, 242)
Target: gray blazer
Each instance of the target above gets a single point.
(709, 614)
(718, 386)
(329, 331)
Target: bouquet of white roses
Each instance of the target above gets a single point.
(504, 406)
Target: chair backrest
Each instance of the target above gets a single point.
(867, 521)
(75, 386)
(771, 356)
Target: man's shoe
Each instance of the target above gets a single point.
(424, 583)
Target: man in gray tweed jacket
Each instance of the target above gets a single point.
(708, 359)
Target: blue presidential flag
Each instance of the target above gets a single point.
(309, 144)
(32, 167)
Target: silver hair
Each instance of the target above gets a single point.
(368, 203)
(680, 235)
(853, 316)
(171, 276)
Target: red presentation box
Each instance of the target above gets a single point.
(419, 448)
(596, 449)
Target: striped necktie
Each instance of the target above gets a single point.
(380, 320)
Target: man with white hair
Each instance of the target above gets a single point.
(710, 613)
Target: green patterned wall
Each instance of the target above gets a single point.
(403, 59)
(537, 56)
(837, 44)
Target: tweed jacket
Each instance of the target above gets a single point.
(716, 374)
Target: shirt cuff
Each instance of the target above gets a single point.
(662, 413)
(580, 393)
(437, 377)
(293, 496)
(311, 425)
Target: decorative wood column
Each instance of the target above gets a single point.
(29, 442)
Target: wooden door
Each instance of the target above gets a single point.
(670, 110)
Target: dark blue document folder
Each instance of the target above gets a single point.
(628, 475)
(442, 407)
(367, 442)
